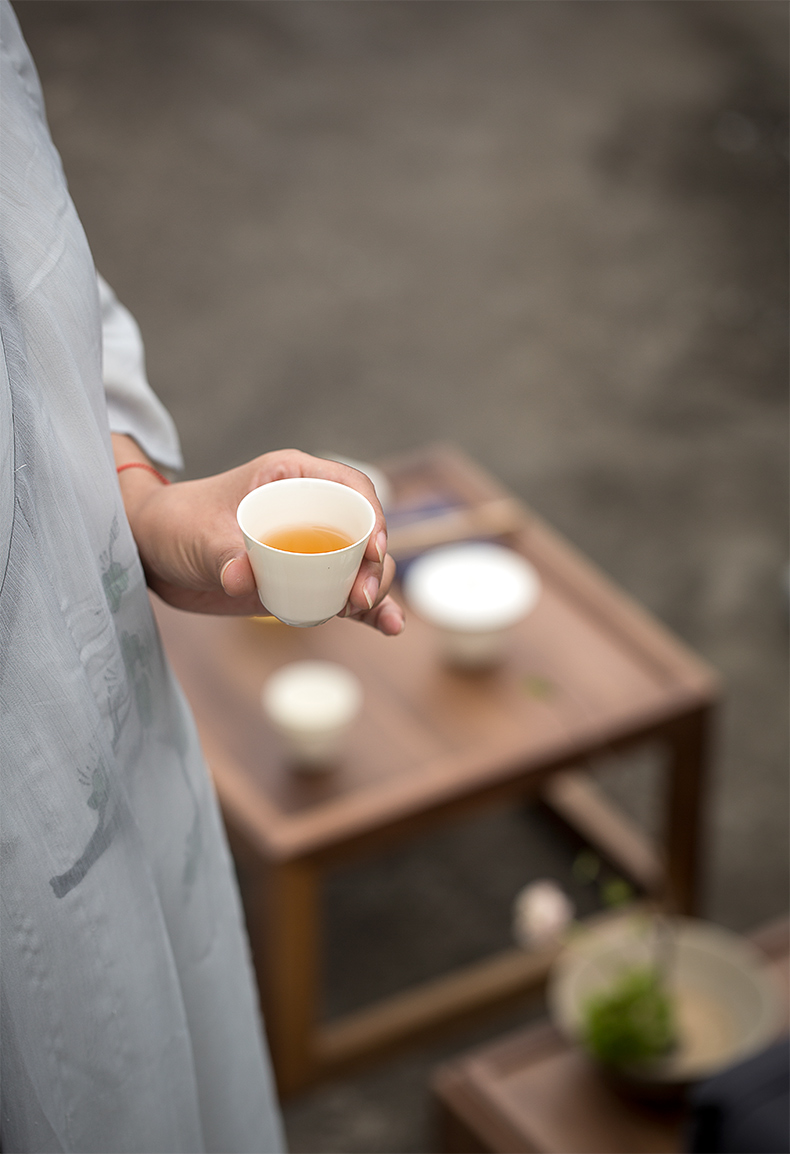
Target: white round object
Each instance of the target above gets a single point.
(312, 695)
(541, 912)
(473, 587)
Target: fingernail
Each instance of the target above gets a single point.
(370, 590)
(224, 570)
(345, 611)
(381, 546)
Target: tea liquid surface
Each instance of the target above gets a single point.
(307, 539)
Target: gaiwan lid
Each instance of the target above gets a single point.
(312, 695)
(472, 587)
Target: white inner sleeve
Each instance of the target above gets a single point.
(132, 407)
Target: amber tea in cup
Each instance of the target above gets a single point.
(307, 538)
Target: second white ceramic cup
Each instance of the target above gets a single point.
(312, 704)
(473, 593)
(305, 589)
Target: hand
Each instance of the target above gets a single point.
(193, 551)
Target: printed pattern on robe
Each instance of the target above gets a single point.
(99, 800)
(129, 688)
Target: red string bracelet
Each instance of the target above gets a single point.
(145, 467)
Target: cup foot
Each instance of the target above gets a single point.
(304, 623)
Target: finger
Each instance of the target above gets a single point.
(387, 617)
(290, 464)
(370, 588)
(371, 585)
(365, 591)
(377, 545)
(236, 577)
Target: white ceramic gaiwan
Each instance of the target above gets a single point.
(473, 593)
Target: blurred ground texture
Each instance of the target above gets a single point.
(554, 233)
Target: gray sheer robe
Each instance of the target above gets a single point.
(128, 1009)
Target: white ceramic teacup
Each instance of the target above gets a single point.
(473, 593)
(312, 705)
(305, 589)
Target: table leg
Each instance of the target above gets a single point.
(285, 941)
(689, 741)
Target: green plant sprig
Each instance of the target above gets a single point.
(631, 1023)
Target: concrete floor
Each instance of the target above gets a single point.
(554, 233)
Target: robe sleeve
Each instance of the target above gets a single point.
(132, 407)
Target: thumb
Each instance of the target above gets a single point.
(236, 576)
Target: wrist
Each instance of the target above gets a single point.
(135, 465)
(138, 479)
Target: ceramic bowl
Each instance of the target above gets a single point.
(726, 1003)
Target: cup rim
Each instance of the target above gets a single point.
(301, 479)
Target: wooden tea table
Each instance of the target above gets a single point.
(587, 673)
